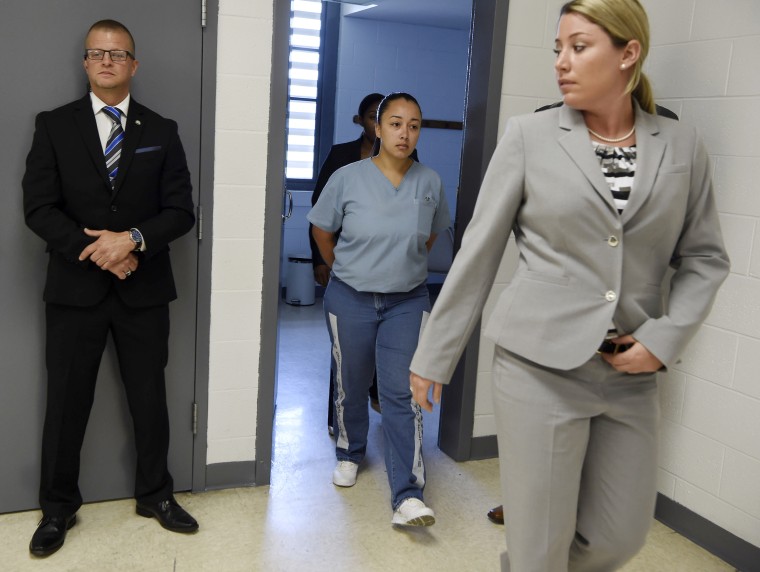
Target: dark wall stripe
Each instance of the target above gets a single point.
(726, 546)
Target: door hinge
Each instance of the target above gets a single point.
(204, 12)
(199, 221)
(195, 418)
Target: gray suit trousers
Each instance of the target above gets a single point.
(578, 459)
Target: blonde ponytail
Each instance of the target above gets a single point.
(642, 92)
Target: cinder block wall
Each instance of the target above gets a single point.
(242, 115)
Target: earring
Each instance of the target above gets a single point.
(622, 66)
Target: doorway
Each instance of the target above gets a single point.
(41, 58)
(484, 66)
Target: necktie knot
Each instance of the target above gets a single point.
(113, 113)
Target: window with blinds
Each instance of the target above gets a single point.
(303, 93)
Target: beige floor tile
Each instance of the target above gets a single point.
(302, 522)
(669, 551)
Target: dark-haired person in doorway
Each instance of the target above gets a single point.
(612, 208)
(340, 155)
(390, 209)
(107, 188)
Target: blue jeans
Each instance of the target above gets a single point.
(380, 332)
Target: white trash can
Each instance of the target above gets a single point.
(299, 290)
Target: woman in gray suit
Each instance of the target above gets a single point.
(612, 212)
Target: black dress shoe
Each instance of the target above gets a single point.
(496, 515)
(50, 534)
(169, 514)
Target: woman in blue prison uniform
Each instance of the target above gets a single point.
(390, 209)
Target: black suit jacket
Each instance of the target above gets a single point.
(66, 189)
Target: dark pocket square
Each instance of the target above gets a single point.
(147, 149)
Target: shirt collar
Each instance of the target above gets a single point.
(98, 104)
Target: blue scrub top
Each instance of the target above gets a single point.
(381, 247)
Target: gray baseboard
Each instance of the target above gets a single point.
(739, 553)
(483, 448)
(230, 475)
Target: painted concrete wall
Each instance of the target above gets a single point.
(245, 28)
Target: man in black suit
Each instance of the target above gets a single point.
(107, 188)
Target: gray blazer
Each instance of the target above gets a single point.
(581, 265)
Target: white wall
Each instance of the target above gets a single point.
(242, 100)
(704, 61)
(703, 65)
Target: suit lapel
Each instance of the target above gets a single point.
(88, 130)
(649, 153)
(132, 135)
(575, 141)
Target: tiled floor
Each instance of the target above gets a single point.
(304, 523)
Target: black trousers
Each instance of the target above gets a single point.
(76, 339)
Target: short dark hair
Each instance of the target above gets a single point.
(368, 102)
(111, 25)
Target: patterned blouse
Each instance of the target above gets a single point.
(618, 167)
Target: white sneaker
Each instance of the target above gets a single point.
(344, 474)
(413, 512)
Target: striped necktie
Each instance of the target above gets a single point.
(113, 145)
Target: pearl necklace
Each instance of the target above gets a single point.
(608, 140)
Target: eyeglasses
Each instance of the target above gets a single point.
(117, 56)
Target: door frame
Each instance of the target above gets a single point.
(270, 296)
(488, 39)
(205, 223)
(485, 69)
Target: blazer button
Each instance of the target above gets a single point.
(610, 296)
(114, 208)
(613, 241)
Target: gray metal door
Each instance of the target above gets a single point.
(41, 43)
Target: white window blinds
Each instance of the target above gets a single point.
(303, 76)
